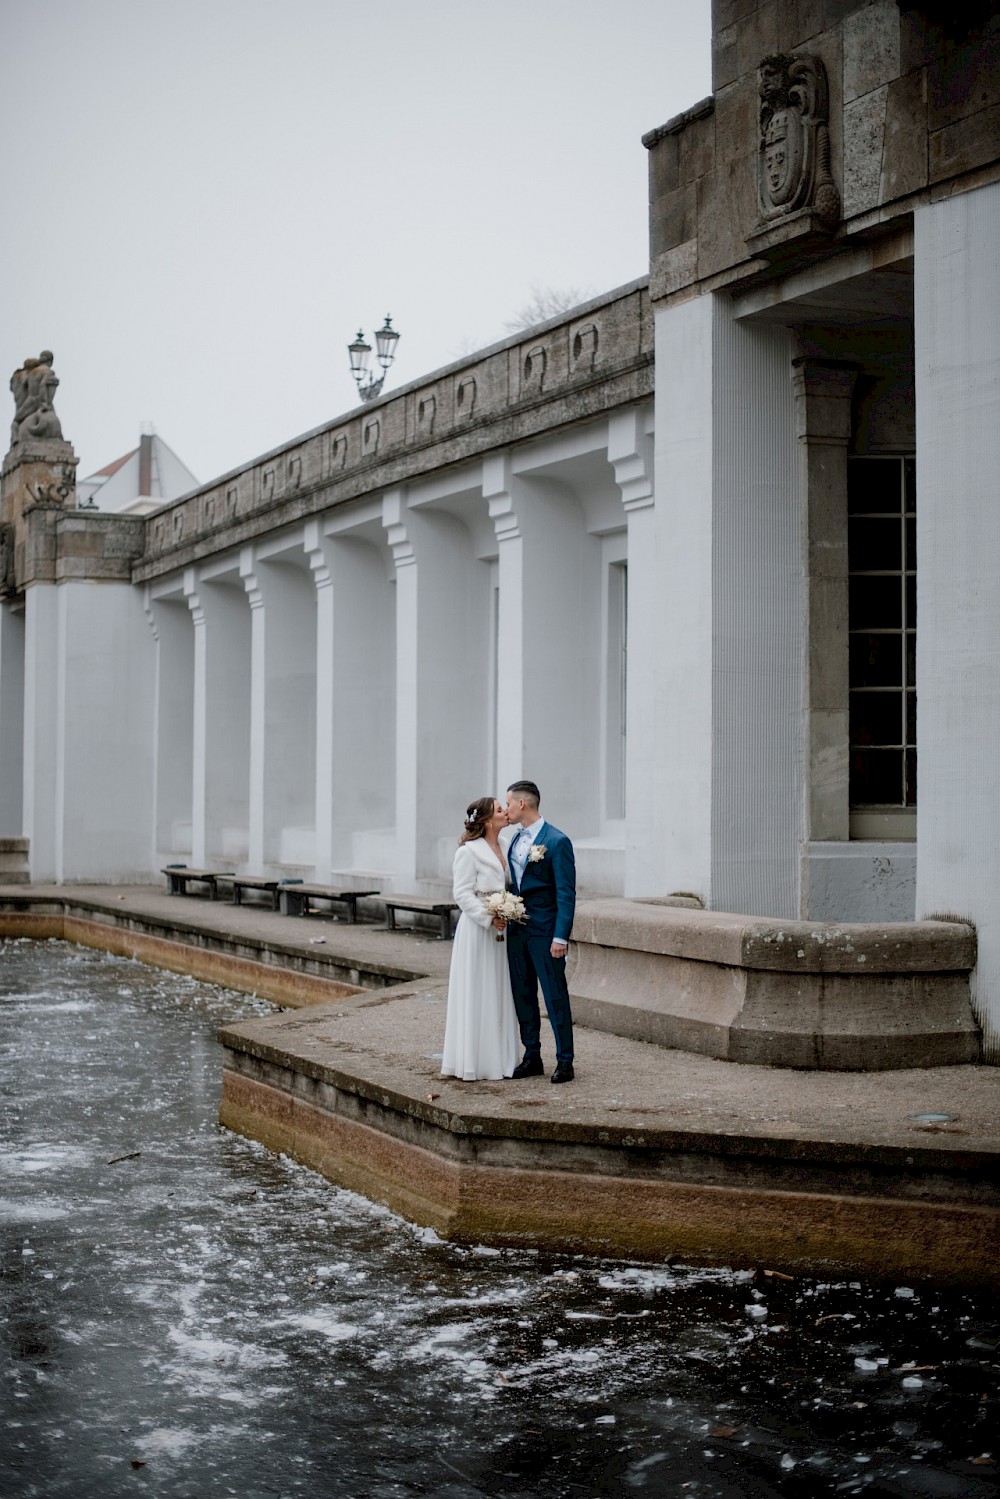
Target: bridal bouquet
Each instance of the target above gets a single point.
(506, 905)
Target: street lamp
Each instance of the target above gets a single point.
(360, 350)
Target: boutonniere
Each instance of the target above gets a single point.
(537, 853)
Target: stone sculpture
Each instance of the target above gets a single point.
(793, 170)
(34, 387)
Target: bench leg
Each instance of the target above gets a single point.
(445, 925)
(390, 919)
(352, 910)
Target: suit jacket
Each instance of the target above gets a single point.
(548, 888)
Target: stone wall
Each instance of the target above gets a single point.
(914, 106)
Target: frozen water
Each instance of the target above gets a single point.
(235, 1325)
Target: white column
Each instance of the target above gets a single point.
(102, 792)
(395, 520)
(631, 458)
(283, 706)
(173, 733)
(11, 721)
(199, 718)
(355, 704)
(957, 359)
(442, 681)
(498, 491)
(258, 698)
(317, 553)
(727, 636)
(42, 729)
(549, 670)
(221, 721)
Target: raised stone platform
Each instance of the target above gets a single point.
(651, 1152)
(788, 994)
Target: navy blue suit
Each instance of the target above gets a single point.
(548, 889)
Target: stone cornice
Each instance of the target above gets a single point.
(591, 361)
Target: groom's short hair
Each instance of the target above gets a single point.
(526, 791)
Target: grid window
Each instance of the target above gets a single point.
(882, 562)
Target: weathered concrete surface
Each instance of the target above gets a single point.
(651, 1152)
(786, 994)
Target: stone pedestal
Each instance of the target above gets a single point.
(40, 471)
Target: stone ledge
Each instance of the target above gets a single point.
(864, 997)
(609, 1197)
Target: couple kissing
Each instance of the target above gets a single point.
(515, 885)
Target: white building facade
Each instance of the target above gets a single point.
(713, 558)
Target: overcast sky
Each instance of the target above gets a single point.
(204, 199)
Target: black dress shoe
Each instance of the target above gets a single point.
(530, 1067)
(563, 1073)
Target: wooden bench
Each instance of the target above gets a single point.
(244, 882)
(442, 909)
(179, 876)
(297, 900)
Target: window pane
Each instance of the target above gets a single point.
(876, 718)
(911, 602)
(873, 484)
(911, 658)
(911, 778)
(911, 545)
(873, 544)
(876, 660)
(910, 477)
(911, 718)
(876, 604)
(876, 778)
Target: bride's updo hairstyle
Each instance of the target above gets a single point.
(477, 815)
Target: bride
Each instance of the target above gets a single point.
(480, 1036)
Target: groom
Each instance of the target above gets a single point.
(543, 872)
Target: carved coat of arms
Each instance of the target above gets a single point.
(793, 170)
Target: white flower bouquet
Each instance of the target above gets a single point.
(505, 904)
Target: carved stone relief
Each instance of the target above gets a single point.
(793, 161)
(465, 396)
(584, 348)
(6, 560)
(534, 370)
(426, 414)
(58, 489)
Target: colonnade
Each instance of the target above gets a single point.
(328, 699)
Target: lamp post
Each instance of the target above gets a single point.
(360, 350)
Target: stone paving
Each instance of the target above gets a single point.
(619, 1079)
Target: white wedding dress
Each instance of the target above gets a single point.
(480, 1036)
